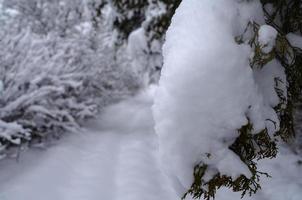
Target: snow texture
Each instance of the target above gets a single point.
(116, 158)
(267, 38)
(295, 40)
(55, 75)
(207, 90)
(144, 50)
(1, 87)
(137, 49)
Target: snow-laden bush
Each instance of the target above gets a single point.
(50, 82)
(141, 25)
(225, 95)
(286, 17)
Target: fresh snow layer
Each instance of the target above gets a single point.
(116, 158)
(208, 90)
(1, 87)
(267, 38)
(295, 40)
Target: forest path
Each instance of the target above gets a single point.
(114, 159)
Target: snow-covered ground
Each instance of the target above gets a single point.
(116, 158)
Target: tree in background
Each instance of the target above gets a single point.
(59, 64)
(142, 25)
(56, 70)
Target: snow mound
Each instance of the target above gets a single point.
(208, 90)
(295, 40)
(267, 38)
(116, 158)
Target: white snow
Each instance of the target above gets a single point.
(145, 147)
(10, 131)
(1, 87)
(285, 183)
(271, 76)
(137, 50)
(267, 38)
(295, 40)
(116, 158)
(208, 90)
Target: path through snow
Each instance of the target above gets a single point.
(116, 159)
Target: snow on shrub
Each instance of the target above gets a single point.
(50, 83)
(220, 97)
(142, 25)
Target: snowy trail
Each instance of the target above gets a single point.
(115, 159)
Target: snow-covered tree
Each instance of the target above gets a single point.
(227, 93)
(141, 25)
(286, 17)
(56, 70)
